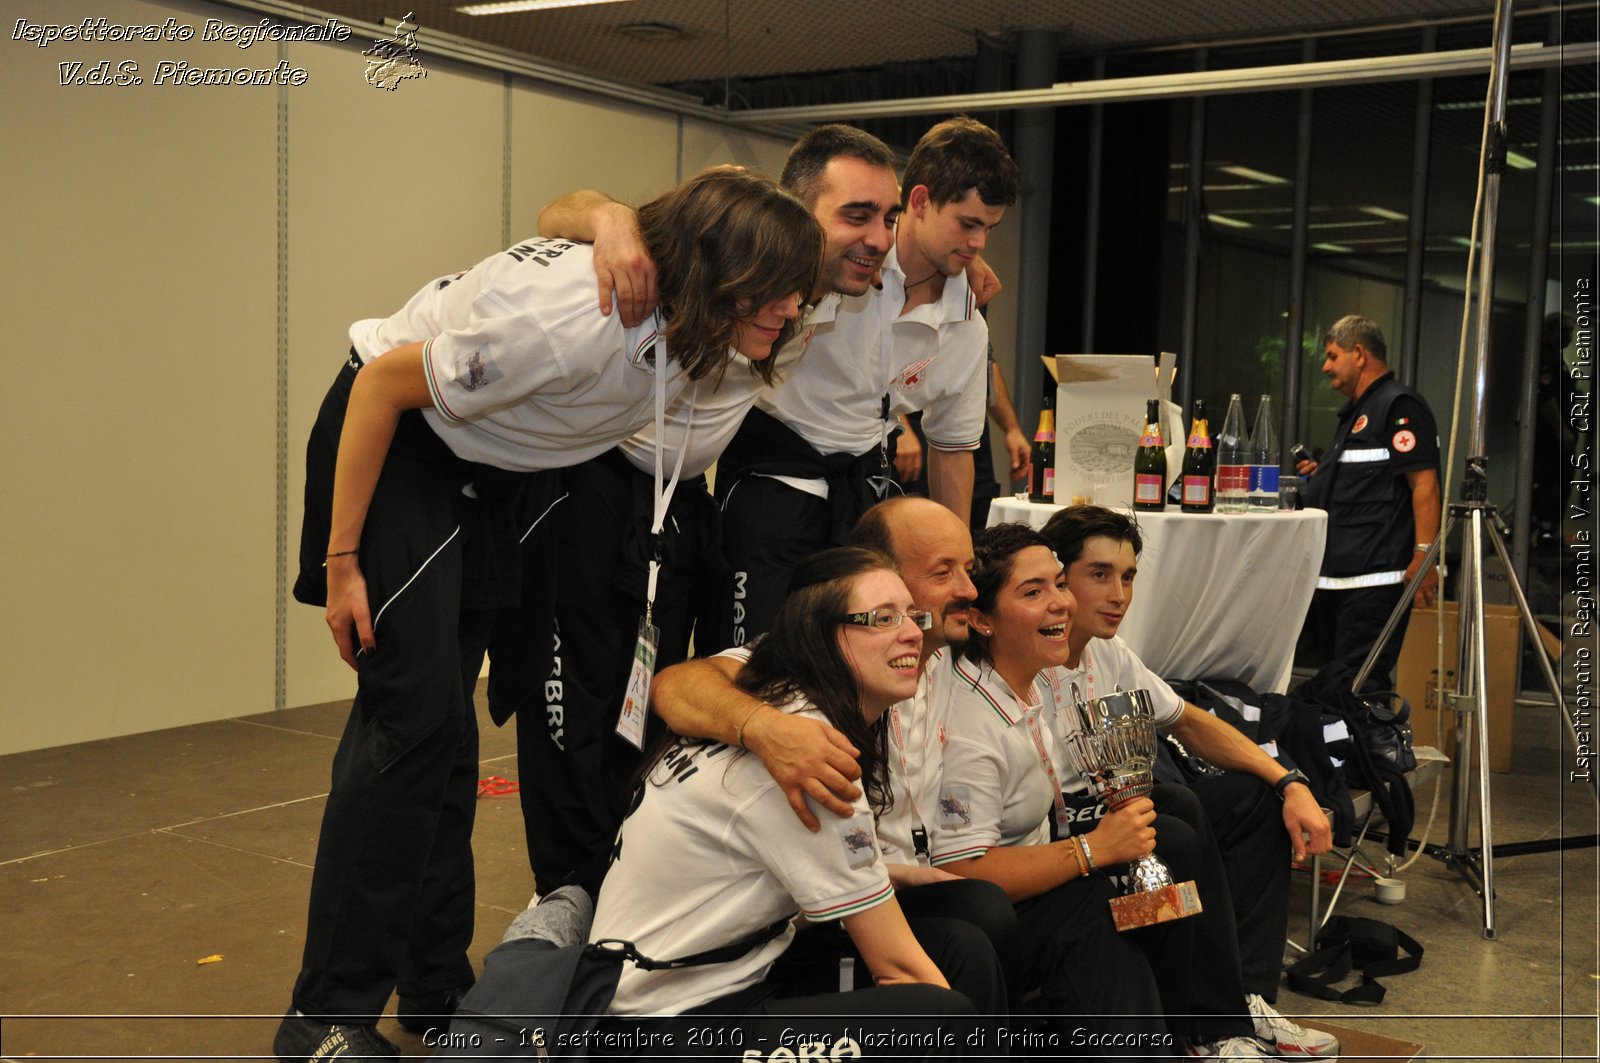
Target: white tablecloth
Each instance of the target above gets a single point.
(1218, 595)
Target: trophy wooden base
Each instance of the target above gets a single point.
(1155, 906)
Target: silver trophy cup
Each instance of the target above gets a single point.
(1114, 748)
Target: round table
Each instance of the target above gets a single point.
(1220, 595)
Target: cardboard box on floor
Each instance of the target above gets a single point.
(1415, 676)
(1100, 407)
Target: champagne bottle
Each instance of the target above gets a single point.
(1150, 463)
(1264, 459)
(1199, 463)
(1233, 461)
(1043, 488)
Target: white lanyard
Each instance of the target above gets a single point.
(663, 496)
(1063, 824)
(918, 824)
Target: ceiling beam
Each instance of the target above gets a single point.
(1189, 84)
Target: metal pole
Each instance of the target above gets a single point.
(1293, 355)
(1533, 327)
(1091, 237)
(1194, 203)
(1034, 134)
(1417, 222)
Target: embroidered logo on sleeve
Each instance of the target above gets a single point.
(913, 376)
(481, 371)
(856, 836)
(955, 807)
(1361, 422)
(1404, 441)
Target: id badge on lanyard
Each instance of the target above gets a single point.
(636, 698)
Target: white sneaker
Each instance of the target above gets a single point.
(1292, 1040)
(1232, 1048)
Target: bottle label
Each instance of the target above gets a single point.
(1264, 479)
(1233, 479)
(1151, 439)
(1200, 441)
(1050, 483)
(1147, 488)
(1045, 435)
(1197, 490)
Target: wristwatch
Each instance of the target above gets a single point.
(1294, 775)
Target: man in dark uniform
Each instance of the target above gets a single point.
(1379, 482)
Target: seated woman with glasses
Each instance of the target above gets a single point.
(711, 852)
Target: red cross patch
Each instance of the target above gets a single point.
(1361, 422)
(1404, 441)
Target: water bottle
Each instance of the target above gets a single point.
(1233, 461)
(1264, 460)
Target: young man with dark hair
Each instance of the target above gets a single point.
(813, 456)
(1236, 815)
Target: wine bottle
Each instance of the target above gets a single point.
(1233, 461)
(1150, 462)
(1043, 488)
(1199, 464)
(1264, 459)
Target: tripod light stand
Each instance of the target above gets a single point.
(1482, 520)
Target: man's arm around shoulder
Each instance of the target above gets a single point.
(806, 757)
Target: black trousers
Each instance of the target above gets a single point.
(392, 889)
(1203, 993)
(1343, 625)
(1246, 819)
(575, 771)
(963, 926)
(768, 528)
(1095, 986)
(896, 1022)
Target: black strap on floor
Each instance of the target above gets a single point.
(1350, 943)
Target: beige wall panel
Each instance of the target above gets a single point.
(709, 144)
(139, 307)
(388, 190)
(561, 141)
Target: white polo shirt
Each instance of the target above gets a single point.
(931, 359)
(993, 789)
(916, 751)
(707, 418)
(1106, 665)
(524, 371)
(714, 853)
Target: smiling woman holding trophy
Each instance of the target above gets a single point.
(997, 796)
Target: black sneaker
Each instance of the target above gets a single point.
(430, 1011)
(305, 1040)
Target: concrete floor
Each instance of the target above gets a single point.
(154, 898)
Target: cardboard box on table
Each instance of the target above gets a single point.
(1100, 407)
(1415, 677)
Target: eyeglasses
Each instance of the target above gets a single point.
(889, 619)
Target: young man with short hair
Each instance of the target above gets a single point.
(1237, 816)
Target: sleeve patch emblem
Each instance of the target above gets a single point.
(856, 837)
(955, 807)
(913, 376)
(480, 371)
(1404, 441)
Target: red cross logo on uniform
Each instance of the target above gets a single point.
(1404, 441)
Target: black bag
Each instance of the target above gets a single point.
(1351, 943)
(538, 1000)
(1378, 752)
